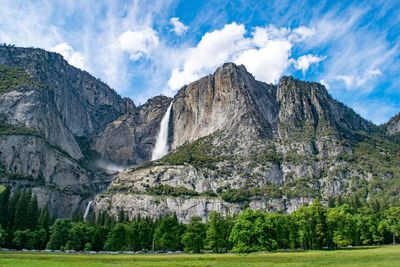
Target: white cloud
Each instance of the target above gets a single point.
(267, 63)
(353, 82)
(305, 61)
(138, 43)
(73, 57)
(266, 54)
(301, 33)
(178, 27)
(325, 83)
(214, 48)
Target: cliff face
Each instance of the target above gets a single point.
(234, 143)
(44, 104)
(130, 139)
(393, 125)
(237, 142)
(84, 103)
(228, 100)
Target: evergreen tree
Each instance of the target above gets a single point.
(99, 237)
(168, 233)
(21, 219)
(194, 236)
(59, 234)
(12, 209)
(4, 200)
(117, 238)
(217, 235)
(44, 218)
(32, 213)
(79, 235)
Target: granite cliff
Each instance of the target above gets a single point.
(234, 142)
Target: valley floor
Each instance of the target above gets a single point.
(379, 256)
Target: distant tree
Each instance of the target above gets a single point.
(12, 208)
(117, 238)
(367, 226)
(4, 201)
(21, 219)
(218, 230)
(391, 222)
(194, 236)
(312, 225)
(253, 231)
(44, 218)
(3, 234)
(32, 213)
(342, 225)
(99, 237)
(41, 238)
(168, 233)
(24, 239)
(79, 235)
(59, 234)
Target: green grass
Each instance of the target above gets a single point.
(382, 256)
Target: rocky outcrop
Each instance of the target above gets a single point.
(56, 179)
(243, 143)
(392, 127)
(235, 143)
(34, 108)
(85, 103)
(130, 139)
(230, 100)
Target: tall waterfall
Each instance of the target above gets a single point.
(87, 210)
(161, 147)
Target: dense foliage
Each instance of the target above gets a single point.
(11, 77)
(24, 225)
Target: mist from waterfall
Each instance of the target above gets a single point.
(87, 210)
(161, 147)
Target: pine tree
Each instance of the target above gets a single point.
(33, 213)
(12, 209)
(21, 219)
(44, 218)
(4, 202)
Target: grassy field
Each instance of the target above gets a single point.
(382, 256)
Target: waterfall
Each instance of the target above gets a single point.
(161, 147)
(87, 210)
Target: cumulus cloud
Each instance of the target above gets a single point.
(353, 82)
(266, 53)
(213, 49)
(138, 43)
(304, 62)
(73, 57)
(178, 27)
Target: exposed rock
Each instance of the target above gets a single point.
(130, 139)
(393, 125)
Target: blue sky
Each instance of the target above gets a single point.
(146, 48)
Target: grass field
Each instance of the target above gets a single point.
(382, 256)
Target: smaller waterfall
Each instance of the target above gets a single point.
(161, 147)
(87, 210)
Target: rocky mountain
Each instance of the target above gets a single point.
(234, 142)
(237, 142)
(52, 117)
(392, 127)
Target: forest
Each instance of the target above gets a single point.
(23, 225)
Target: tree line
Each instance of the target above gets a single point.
(314, 226)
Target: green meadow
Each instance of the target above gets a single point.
(375, 256)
